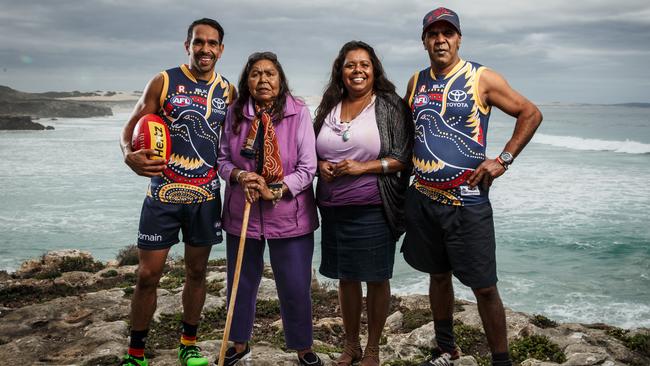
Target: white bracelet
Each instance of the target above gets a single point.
(239, 175)
(384, 165)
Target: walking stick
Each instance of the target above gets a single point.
(235, 283)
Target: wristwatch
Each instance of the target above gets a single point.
(505, 159)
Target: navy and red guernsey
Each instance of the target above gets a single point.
(194, 110)
(450, 133)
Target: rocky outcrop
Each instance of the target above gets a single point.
(15, 123)
(44, 105)
(67, 308)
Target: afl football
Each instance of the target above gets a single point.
(151, 132)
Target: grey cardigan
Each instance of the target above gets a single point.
(396, 134)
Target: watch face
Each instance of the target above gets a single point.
(506, 157)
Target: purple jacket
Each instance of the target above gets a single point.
(295, 214)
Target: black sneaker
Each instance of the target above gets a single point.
(442, 358)
(232, 357)
(310, 359)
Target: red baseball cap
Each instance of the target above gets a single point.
(440, 14)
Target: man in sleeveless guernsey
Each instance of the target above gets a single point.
(183, 194)
(449, 217)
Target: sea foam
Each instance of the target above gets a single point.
(579, 143)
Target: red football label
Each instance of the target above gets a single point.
(151, 132)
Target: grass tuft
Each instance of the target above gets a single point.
(537, 347)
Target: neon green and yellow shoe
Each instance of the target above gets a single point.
(129, 360)
(191, 356)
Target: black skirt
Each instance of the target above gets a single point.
(356, 243)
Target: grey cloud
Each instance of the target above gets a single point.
(117, 44)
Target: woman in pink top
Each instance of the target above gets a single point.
(364, 137)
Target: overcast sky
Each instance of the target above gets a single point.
(551, 50)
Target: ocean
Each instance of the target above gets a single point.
(571, 215)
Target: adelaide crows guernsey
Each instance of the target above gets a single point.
(450, 130)
(194, 110)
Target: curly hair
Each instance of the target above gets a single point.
(245, 93)
(335, 90)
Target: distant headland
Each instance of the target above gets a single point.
(19, 108)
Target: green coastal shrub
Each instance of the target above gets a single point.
(109, 273)
(267, 309)
(327, 349)
(214, 287)
(219, 262)
(617, 333)
(543, 322)
(471, 340)
(415, 318)
(173, 279)
(537, 347)
(638, 342)
(128, 291)
(212, 323)
(128, 256)
(48, 275)
(164, 333)
(85, 264)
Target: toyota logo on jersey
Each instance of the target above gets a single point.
(457, 95)
(218, 103)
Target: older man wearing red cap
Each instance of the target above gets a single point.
(449, 226)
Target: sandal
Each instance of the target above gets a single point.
(370, 356)
(351, 354)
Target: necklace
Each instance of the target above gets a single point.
(346, 108)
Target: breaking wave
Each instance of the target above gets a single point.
(579, 143)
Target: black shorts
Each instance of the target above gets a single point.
(442, 238)
(160, 223)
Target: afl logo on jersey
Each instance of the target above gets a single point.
(218, 103)
(420, 100)
(181, 101)
(457, 95)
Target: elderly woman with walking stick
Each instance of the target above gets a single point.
(268, 159)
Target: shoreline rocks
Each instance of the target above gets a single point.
(67, 308)
(18, 123)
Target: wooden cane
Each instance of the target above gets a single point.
(235, 283)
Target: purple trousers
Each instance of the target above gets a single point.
(291, 262)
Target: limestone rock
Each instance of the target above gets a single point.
(394, 321)
(267, 290)
(534, 362)
(415, 302)
(89, 326)
(50, 262)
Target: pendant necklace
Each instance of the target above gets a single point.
(346, 132)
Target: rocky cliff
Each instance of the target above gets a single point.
(66, 308)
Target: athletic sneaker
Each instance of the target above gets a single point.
(441, 358)
(310, 359)
(129, 360)
(191, 356)
(232, 357)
